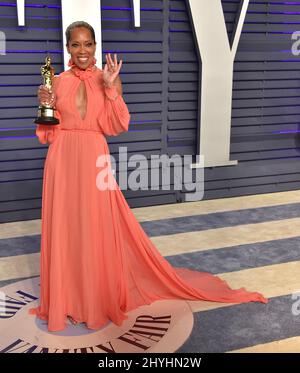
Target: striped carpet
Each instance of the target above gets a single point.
(250, 241)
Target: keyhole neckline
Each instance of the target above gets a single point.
(87, 101)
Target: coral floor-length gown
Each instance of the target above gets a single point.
(97, 263)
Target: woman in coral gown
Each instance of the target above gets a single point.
(97, 263)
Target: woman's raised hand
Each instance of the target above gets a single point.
(111, 70)
(45, 95)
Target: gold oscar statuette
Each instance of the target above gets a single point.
(46, 110)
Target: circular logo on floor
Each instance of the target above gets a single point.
(162, 326)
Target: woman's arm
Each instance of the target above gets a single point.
(119, 85)
(47, 133)
(114, 117)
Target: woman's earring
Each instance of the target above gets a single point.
(70, 63)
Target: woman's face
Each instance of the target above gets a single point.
(81, 47)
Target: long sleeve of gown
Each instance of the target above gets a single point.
(114, 117)
(47, 133)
